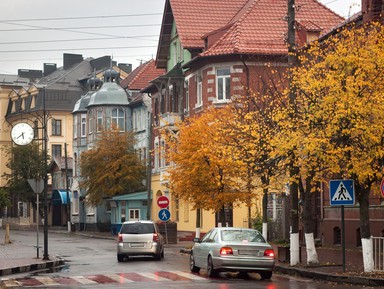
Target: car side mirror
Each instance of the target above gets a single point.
(196, 240)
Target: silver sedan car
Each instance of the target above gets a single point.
(137, 238)
(232, 249)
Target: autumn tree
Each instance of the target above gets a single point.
(250, 131)
(24, 162)
(112, 167)
(340, 96)
(204, 173)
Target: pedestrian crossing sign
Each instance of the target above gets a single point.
(342, 192)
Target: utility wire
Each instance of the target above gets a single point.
(80, 39)
(80, 17)
(84, 27)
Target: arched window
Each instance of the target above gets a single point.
(118, 118)
(336, 235)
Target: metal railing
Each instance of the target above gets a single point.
(378, 255)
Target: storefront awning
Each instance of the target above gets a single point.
(59, 197)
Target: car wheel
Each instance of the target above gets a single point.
(120, 257)
(192, 266)
(211, 272)
(158, 256)
(162, 254)
(266, 275)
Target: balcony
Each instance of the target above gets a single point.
(169, 118)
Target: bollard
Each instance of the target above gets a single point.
(7, 238)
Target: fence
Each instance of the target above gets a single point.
(378, 255)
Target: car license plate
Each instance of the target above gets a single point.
(249, 252)
(137, 245)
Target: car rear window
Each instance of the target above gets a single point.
(137, 228)
(242, 236)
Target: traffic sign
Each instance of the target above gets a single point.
(382, 187)
(163, 202)
(342, 192)
(164, 214)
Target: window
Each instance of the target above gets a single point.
(75, 125)
(118, 119)
(336, 236)
(56, 127)
(56, 150)
(199, 92)
(223, 80)
(83, 125)
(186, 86)
(134, 214)
(90, 122)
(99, 120)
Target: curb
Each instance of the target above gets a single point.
(31, 267)
(354, 280)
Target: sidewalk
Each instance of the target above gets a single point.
(15, 258)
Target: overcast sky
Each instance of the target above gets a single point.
(34, 32)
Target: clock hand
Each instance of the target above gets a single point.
(22, 135)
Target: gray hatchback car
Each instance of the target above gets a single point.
(137, 238)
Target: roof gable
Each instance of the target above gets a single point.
(263, 28)
(141, 76)
(239, 26)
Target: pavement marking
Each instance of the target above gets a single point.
(189, 275)
(153, 276)
(83, 280)
(11, 283)
(118, 278)
(47, 280)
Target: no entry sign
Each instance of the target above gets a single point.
(163, 202)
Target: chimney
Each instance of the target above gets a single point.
(29, 73)
(71, 59)
(126, 67)
(49, 68)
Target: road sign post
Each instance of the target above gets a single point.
(342, 193)
(164, 214)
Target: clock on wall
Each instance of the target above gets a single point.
(22, 133)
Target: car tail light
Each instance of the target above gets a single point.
(119, 238)
(269, 253)
(156, 237)
(226, 251)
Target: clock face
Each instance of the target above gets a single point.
(22, 133)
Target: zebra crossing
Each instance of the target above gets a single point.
(118, 278)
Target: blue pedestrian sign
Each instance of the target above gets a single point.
(342, 192)
(164, 215)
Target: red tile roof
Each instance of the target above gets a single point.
(140, 77)
(263, 28)
(195, 18)
(253, 26)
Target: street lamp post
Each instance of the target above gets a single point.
(45, 144)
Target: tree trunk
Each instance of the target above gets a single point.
(312, 257)
(265, 214)
(198, 225)
(362, 193)
(294, 238)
